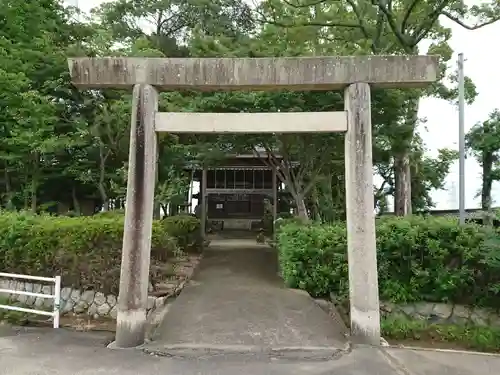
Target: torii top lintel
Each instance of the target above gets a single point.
(290, 73)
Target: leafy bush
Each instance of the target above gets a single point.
(480, 338)
(186, 229)
(419, 258)
(112, 213)
(85, 251)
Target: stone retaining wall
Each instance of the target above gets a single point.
(96, 304)
(89, 302)
(442, 313)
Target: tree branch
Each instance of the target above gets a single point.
(379, 29)
(264, 19)
(408, 14)
(313, 23)
(297, 6)
(470, 27)
(392, 24)
(362, 25)
(428, 23)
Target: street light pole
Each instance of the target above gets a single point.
(461, 135)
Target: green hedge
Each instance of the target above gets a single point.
(186, 228)
(482, 338)
(419, 259)
(85, 251)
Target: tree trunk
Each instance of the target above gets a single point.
(104, 198)
(487, 177)
(157, 211)
(76, 203)
(402, 180)
(34, 182)
(402, 170)
(301, 207)
(102, 174)
(8, 189)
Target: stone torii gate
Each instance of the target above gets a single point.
(354, 75)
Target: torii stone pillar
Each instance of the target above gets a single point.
(134, 273)
(361, 244)
(354, 74)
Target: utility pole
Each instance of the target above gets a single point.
(461, 135)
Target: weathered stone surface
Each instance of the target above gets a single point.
(255, 123)
(28, 287)
(103, 310)
(462, 312)
(99, 298)
(65, 293)
(39, 302)
(111, 299)
(88, 296)
(480, 317)
(442, 313)
(134, 275)
(424, 309)
(361, 244)
(80, 307)
(408, 309)
(37, 288)
(75, 295)
(494, 319)
(166, 286)
(48, 303)
(67, 306)
(443, 310)
(114, 312)
(92, 310)
(47, 289)
(214, 74)
(151, 302)
(160, 301)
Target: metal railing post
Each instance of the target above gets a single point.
(57, 301)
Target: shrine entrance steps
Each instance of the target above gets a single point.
(237, 303)
(233, 234)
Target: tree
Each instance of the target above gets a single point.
(34, 37)
(172, 21)
(63, 147)
(382, 27)
(483, 141)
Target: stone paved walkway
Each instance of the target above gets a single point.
(236, 302)
(61, 352)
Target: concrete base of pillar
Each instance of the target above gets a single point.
(130, 329)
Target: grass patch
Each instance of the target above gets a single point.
(17, 317)
(420, 332)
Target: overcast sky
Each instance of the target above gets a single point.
(442, 117)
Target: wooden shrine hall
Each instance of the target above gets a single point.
(239, 192)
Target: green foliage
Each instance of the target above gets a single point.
(186, 229)
(85, 251)
(18, 318)
(110, 214)
(483, 142)
(480, 338)
(419, 259)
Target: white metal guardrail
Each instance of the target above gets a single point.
(56, 296)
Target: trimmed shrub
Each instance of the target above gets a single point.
(85, 251)
(480, 338)
(111, 214)
(419, 259)
(186, 229)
